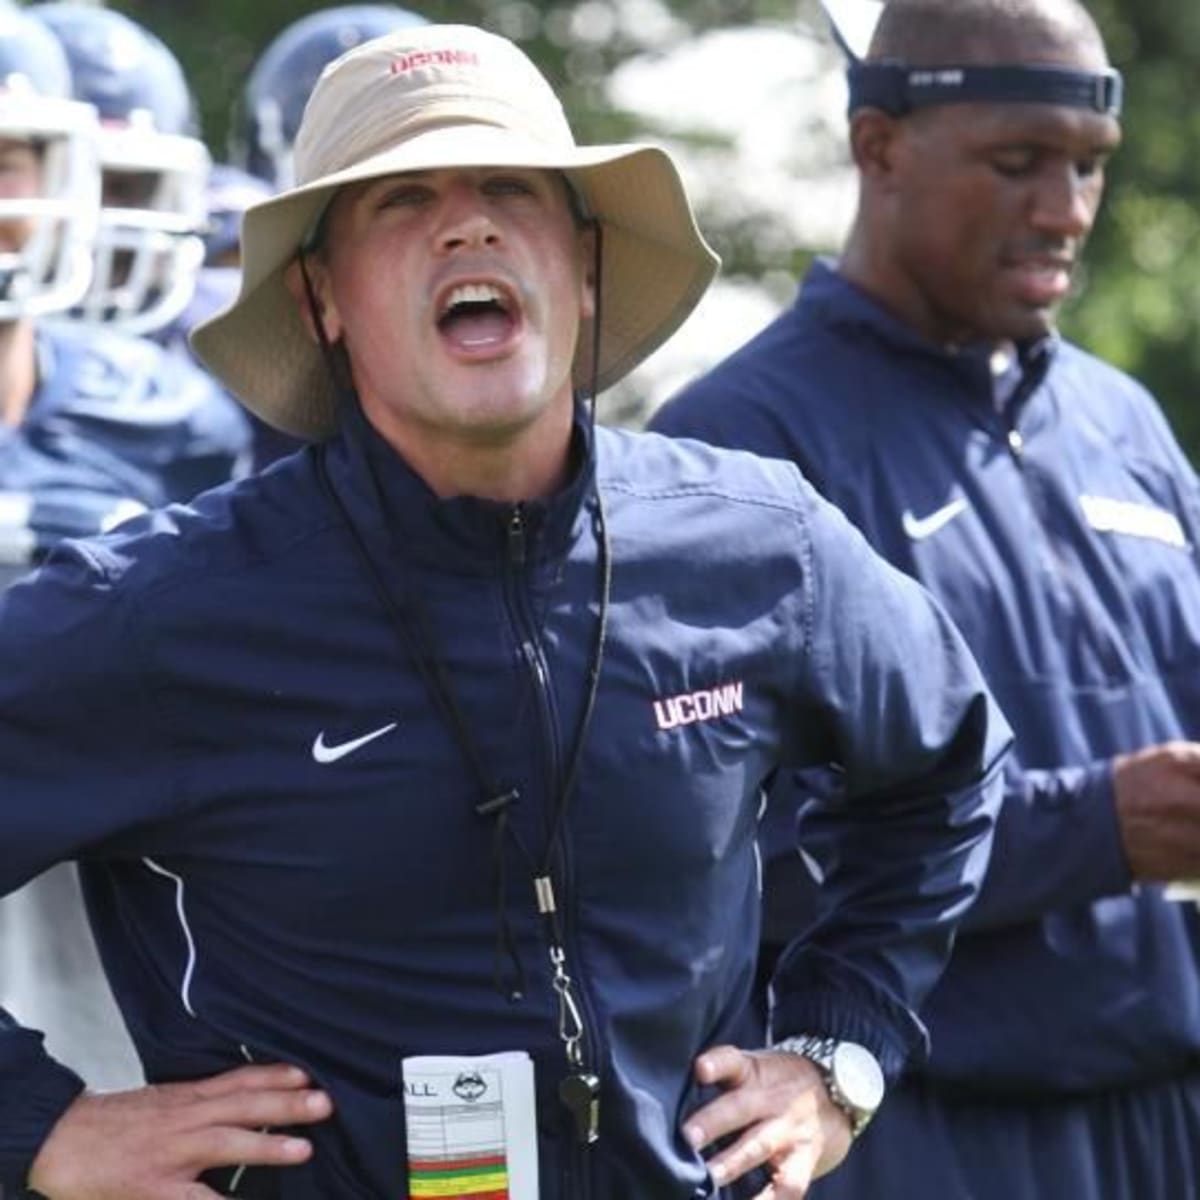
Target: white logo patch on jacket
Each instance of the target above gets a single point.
(1136, 520)
(704, 705)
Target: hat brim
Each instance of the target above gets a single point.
(655, 267)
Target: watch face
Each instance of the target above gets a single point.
(857, 1076)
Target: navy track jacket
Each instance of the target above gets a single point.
(175, 705)
(1051, 511)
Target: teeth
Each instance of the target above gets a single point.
(473, 293)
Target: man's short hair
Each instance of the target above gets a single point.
(970, 32)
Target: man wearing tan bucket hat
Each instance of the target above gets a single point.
(415, 781)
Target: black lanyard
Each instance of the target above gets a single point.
(579, 1089)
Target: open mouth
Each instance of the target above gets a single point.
(477, 316)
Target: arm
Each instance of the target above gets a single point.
(1057, 846)
(888, 693)
(61, 745)
(34, 1092)
(85, 763)
(900, 707)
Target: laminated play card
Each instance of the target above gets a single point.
(472, 1129)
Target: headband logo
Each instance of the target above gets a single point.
(441, 58)
(951, 77)
(898, 89)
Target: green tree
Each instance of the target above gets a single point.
(1139, 303)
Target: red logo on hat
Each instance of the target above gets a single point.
(442, 58)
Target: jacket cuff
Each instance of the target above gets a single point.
(815, 994)
(31, 1102)
(1098, 807)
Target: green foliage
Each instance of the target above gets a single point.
(1139, 305)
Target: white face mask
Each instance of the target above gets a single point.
(46, 267)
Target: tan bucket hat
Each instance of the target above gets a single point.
(436, 96)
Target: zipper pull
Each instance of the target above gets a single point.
(516, 535)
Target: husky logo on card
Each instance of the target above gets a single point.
(469, 1086)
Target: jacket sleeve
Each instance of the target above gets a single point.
(34, 1092)
(1057, 846)
(891, 697)
(78, 765)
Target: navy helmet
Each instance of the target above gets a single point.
(154, 168)
(120, 66)
(30, 52)
(231, 191)
(284, 75)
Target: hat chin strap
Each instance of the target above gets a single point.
(335, 362)
(593, 223)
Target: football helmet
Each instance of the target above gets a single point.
(284, 74)
(230, 192)
(49, 174)
(149, 246)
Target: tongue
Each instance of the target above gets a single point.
(482, 327)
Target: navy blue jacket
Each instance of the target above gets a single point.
(254, 901)
(116, 426)
(1050, 510)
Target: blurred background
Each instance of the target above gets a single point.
(751, 95)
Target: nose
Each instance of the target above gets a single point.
(466, 222)
(1065, 200)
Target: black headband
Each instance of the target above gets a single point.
(898, 89)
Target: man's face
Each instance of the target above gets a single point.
(992, 204)
(458, 295)
(20, 179)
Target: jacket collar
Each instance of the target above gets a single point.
(392, 506)
(828, 294)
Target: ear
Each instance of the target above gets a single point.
(875, 144)
(326, 310)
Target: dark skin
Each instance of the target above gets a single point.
(974, 215)
(972, 218)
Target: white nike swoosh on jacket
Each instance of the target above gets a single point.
(324, 753)
(920, 528)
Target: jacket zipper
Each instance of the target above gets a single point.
(531, 651)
